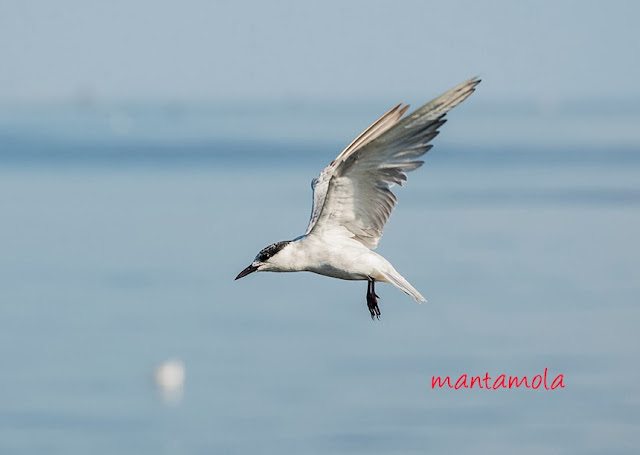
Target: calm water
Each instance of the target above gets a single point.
(111, 266)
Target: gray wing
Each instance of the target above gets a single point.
(320, 185)
(352, 195)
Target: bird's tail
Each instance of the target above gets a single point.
(398, 281)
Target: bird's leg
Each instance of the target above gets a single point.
(372, 299)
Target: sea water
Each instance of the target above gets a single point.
(115, 257)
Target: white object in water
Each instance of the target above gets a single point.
(170, 375)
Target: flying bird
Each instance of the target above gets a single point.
(352, 201)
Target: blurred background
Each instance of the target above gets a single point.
(148, 150)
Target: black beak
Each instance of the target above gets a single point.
(252, 268)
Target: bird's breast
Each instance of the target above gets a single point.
(345, 261)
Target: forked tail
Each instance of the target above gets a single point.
(398, 281)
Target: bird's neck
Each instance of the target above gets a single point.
(292, 258)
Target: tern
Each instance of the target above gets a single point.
(352, 201)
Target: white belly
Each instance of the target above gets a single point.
(346, 260)
(337, 272)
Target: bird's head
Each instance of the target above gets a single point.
(265, 260)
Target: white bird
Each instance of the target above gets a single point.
(352, 200)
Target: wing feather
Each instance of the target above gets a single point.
(320, 185)
(376, 129)
(353, 194)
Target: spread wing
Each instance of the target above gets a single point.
(352, 195)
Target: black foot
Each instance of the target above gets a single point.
(372, 300)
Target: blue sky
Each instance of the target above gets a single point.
(291, 50)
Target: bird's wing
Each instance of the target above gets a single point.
(352, 195)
